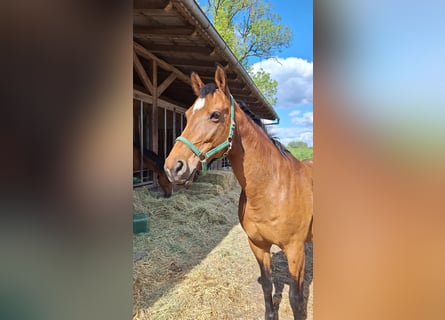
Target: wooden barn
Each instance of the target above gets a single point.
(172, 38)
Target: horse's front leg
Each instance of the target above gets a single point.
(262, 255)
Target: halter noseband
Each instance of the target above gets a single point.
(203, 157)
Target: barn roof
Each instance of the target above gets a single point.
(179, 36)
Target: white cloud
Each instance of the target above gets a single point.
(306, 120)
(294, 76)
(295, 89)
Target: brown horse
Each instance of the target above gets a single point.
(153, 163)
(275, 205)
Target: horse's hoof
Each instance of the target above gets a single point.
(271, 316)
(276, 300)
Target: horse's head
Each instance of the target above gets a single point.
(208, 132)
(166, 185)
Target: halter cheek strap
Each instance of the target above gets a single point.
(203, 157)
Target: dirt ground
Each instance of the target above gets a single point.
(195, 262)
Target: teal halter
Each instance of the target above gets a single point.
(203, 157)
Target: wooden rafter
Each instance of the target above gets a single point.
(165, 84)
(155, 12)
(164, 31)
(143, 52)
(141, 73)
(180, 49)
(151, 5)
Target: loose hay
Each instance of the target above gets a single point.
(183, 229)
(195, 262)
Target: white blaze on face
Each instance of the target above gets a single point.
(199, 104)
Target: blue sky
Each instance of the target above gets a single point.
(293, 69)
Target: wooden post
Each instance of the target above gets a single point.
(154, 118)
(174, 127)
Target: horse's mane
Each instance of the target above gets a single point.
(259, 123)
(155, 157)
(211, 88)
(152, 156)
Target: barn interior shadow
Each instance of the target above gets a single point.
(281, 276)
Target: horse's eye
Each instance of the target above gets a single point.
(215, 116)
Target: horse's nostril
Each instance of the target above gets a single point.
(178, 167)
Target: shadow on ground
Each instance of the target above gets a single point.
(281, 276)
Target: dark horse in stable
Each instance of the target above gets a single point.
(153, 162)
(275, 205)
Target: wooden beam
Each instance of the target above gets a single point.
(189, 63)
(141, 73)
(166, 83)
(180, 49)
(166, 11)
(164, 31)
(143, 4)
(156, 37)
(154, 119)
(139, 95)
(211, 75)
(143, 52)
(155, 12)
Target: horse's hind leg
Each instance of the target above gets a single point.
(263, 257)
(296, 257)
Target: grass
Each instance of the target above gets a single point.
(302, 153)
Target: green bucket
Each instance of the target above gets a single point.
(140, 223)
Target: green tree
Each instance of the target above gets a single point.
(251, 29)
(300, 150)
(265, 84)
(297, 144)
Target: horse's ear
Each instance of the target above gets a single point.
(221, 80)
(197, 83)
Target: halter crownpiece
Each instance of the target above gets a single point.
(203, 157)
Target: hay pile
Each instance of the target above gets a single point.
(214, 289)
(195, 262)
(183, 230)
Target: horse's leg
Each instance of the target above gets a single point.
(263, 257)
(296, 257)
(278, 284)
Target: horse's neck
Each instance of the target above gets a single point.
(250, 154)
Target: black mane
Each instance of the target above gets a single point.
(153, 156)
(211, 88)
(259, 123)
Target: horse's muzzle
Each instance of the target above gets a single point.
(179, 172)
